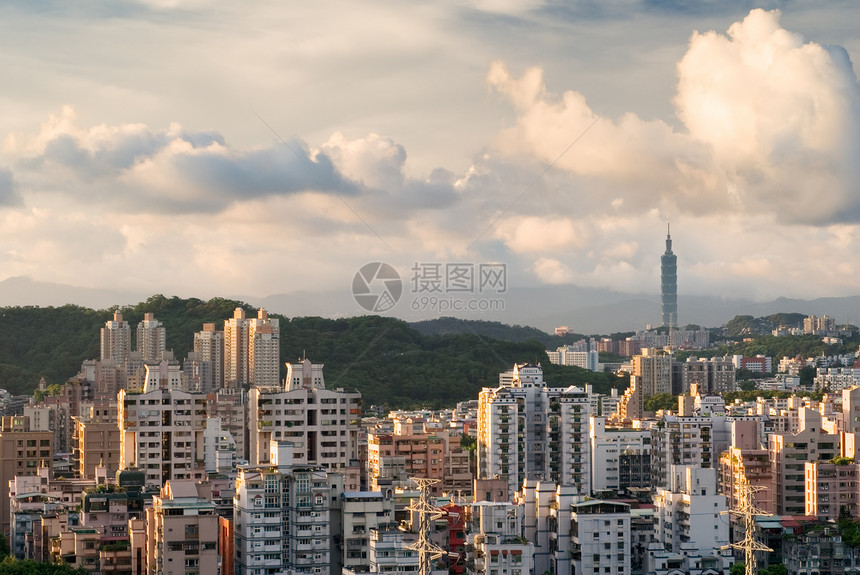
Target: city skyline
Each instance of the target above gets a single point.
(552, 139)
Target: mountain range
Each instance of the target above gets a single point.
(583, 310)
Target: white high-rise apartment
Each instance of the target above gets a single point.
(529, 431)
(116, 340)
(151, 338)
(496, 532)
(251, 350)
(573, 356)
(286, 517)
(363, 511)
(161, 433)
(600, 537)
(689, 510)
(620, 457)
(209, 347)
(236, 349)
(323, 424)
(264, 351)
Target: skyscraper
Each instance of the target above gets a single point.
(669, 284)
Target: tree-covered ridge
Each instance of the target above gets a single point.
(384, 358)
(747, 325)
(493, 329)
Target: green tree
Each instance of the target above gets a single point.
(468, 442)
(747, 385)
(665, 401)
(54, 389)
(807, 375)
(12, 566)
(775, 569)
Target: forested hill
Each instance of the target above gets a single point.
(493, 329)
(386, 359)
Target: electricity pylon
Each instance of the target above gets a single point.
(427, 512)
(748, 511)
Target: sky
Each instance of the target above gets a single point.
(205, 148)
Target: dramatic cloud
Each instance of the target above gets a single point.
(170, 170)
(771, 123)
(153, 174)
(781, 117)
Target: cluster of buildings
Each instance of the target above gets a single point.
(218, 465)
(824, 326)
(670, 477)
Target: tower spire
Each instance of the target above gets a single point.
(668, 239)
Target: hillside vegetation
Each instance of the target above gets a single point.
(386, 359)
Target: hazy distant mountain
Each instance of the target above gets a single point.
(584, 310)
(25, 291)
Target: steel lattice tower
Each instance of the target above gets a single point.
(748, 511)
(427, 512)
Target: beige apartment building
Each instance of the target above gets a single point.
(418, 449)
(832, 489)
(182, 531)
(251, 350)
(22, 452)
(788, 454)
(162, 434)
(322, 424)
(95, 441)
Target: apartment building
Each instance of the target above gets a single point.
(182, 531)
(322, 424)
(95, 442)
(691, 511)
(527, 430)
(418, 448)
(652, 374)
(287, 517)
(151, 338)
(364, 511)
(832, 489)
(788, 453)
(22, 452)
(620, 457)
(714, 375)
(600, 537)
(746, 462)
(162, 434)
(497, 534)
(251, 350)
(115, 340)
(209, 352)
